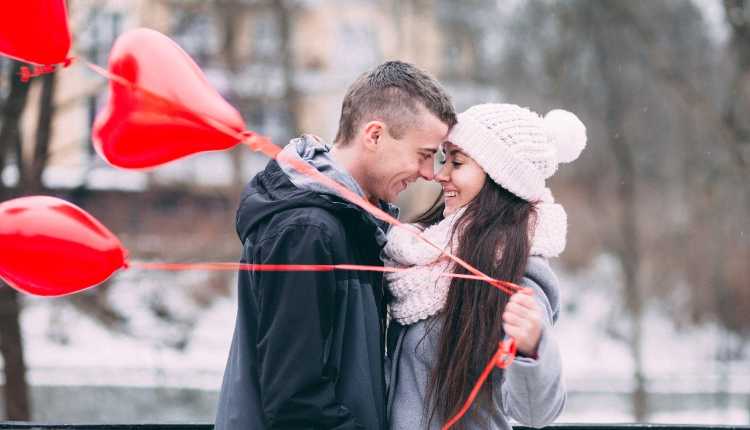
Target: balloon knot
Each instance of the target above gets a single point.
(125, 259)
(251, 139)
(27, 73)
(506, 353)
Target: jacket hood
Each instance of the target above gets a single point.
(278, 188)
(270, 192)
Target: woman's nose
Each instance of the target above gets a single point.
(443, 175)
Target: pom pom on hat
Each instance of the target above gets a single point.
(567, 132)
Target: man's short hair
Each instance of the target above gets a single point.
(392, 93)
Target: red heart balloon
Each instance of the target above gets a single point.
(169, 111)
(35, 31)
(49, 247)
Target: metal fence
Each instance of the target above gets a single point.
(48, 426)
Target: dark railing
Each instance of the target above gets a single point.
(38, 426)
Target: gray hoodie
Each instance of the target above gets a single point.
(531, 391)
(314, 151)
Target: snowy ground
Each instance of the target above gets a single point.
(66, 349)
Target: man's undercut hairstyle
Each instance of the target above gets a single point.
(392, 93)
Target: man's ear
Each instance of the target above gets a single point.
(373, 131)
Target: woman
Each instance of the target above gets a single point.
(497, 214)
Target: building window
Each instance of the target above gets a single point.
(194, 32)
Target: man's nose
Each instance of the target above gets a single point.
(427, 171)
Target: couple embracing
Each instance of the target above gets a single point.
(359, 350)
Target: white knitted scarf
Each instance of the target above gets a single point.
(420, 292)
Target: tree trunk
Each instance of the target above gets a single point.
(737, 13)
(16, 391)
(291, 96)
(43, 135)
(628, 247)
(628, 251)
(630, 259)
(230, 14)
(11, 115)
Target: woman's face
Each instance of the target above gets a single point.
(461, 178)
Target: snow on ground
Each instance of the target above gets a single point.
(143, 356)
(675, 360)
(65, 347)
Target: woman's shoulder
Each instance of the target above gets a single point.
(540, 277)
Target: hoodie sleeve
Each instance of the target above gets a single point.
(533, 392)
(297, 376)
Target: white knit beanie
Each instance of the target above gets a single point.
(517, 148)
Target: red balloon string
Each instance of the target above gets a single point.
(506, 287)
(258, 267)
(506, 352)
(26, 73)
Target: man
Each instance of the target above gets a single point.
(307, 351)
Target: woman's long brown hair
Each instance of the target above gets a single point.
(493, 235)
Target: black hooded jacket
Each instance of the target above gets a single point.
(307, 350)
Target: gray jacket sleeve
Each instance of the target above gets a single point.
(533, 392)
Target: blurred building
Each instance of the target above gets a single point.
(285, 65)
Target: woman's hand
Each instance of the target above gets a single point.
(522, 320)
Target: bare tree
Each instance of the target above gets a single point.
(32, 183)
(659, 170)
(588, 39)
(230, 14)
(737, 111)
(601, 19)
(284, 11)
(16, 390)
(18, 402)
(232, 17)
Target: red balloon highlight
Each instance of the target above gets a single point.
(161, 106)
(35, 31)
(49, 247)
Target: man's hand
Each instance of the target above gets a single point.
(522, 320)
